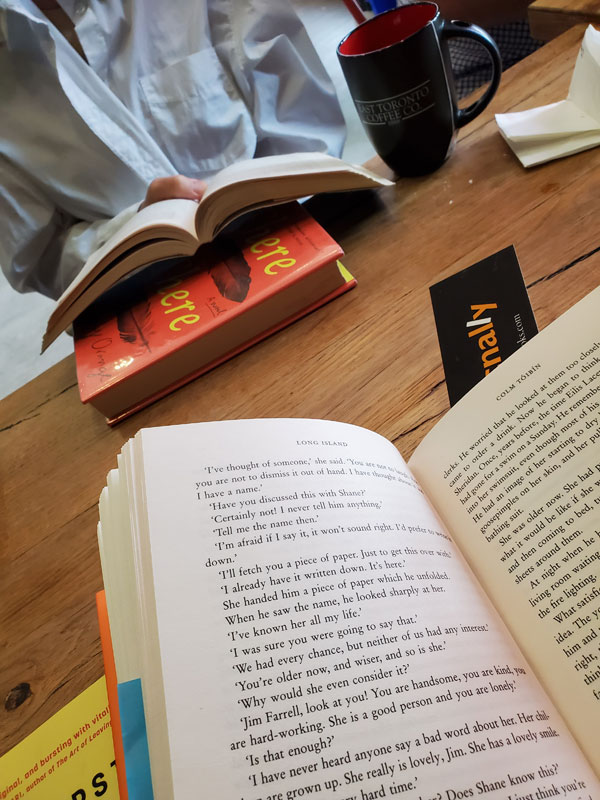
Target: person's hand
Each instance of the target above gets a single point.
(174, 186)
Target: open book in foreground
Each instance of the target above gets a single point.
(305, 614)
(172, 228)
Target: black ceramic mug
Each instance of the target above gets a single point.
(397, 67)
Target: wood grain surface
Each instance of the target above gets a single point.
(371, 358)
(550, 18)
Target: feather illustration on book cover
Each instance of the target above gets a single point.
(230, 273)
(135, 324)
(214, 301)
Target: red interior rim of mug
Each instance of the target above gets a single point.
(387, 29)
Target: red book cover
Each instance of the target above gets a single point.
(174, 320)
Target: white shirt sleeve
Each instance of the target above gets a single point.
(162, 94)
(41, 248)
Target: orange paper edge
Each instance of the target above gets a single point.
(112, 692)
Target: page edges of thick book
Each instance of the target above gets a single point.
(151, 656)
(159, 218)
(165, 445)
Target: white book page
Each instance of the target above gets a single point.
(284, 166)
(237, 188)
(176, 214)
(319, 634)
(258, 182)
(168, 218)
(514, 469)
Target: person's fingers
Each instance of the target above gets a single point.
(174, 186)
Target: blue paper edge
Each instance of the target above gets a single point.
(135, 740)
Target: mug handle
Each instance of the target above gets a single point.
(457, 28)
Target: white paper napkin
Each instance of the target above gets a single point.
(563, 128)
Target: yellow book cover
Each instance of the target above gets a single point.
(69, 756)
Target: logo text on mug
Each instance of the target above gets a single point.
(396, 108)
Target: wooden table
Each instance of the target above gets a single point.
(550, 18)
(371, 358)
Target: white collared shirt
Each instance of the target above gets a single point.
(187, 86)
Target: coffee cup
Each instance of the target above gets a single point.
(398, 70)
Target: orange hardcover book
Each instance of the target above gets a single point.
(176, 320)
(178, 227)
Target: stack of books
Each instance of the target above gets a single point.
(175, 320)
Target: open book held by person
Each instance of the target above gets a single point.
(306, 614)
(171, 322)
(177, 227)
